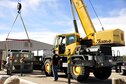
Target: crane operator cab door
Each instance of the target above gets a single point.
(64, 43)
(60, 43)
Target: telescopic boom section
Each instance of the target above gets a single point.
(84, 17)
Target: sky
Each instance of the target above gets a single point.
(46, 18)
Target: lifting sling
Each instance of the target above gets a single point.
(19, 6)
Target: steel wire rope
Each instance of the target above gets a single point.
(96, 14)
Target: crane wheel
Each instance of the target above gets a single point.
(102, 73)
(79, 73)
(48, 68)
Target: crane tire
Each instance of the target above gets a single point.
(102, 73)
(79, 73)
(47, 68)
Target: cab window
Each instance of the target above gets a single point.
(56, 42)
(70, 39)
(62, 40)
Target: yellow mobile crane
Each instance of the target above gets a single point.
(88, 54)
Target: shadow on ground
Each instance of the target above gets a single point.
(90, 80)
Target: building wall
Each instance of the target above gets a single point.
(0, 59)
(23, 45)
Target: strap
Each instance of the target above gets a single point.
(24, 26)
(12, 25)
(26, 32)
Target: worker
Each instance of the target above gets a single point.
(8, 64)
(22, 64)
(55, 62)
(8, 59)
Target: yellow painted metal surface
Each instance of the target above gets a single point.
(76, 70)
(72, 46)
(47, 67)
(84, 17)
(111, 37)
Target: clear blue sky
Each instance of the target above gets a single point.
(46, 18)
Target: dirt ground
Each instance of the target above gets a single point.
(39, 78)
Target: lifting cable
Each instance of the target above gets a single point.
(19, 6)
(96, 14)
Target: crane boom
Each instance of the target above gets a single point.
(108, 37)
(84, 17)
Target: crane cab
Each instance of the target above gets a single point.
(65, 42)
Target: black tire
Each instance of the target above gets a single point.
(79, 73)
(102, 73)
(48, 68)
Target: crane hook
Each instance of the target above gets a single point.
(19, 6)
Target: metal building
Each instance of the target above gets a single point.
(24, 45)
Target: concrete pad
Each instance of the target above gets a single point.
(3, 78)
(12, 80)
(26, 81)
